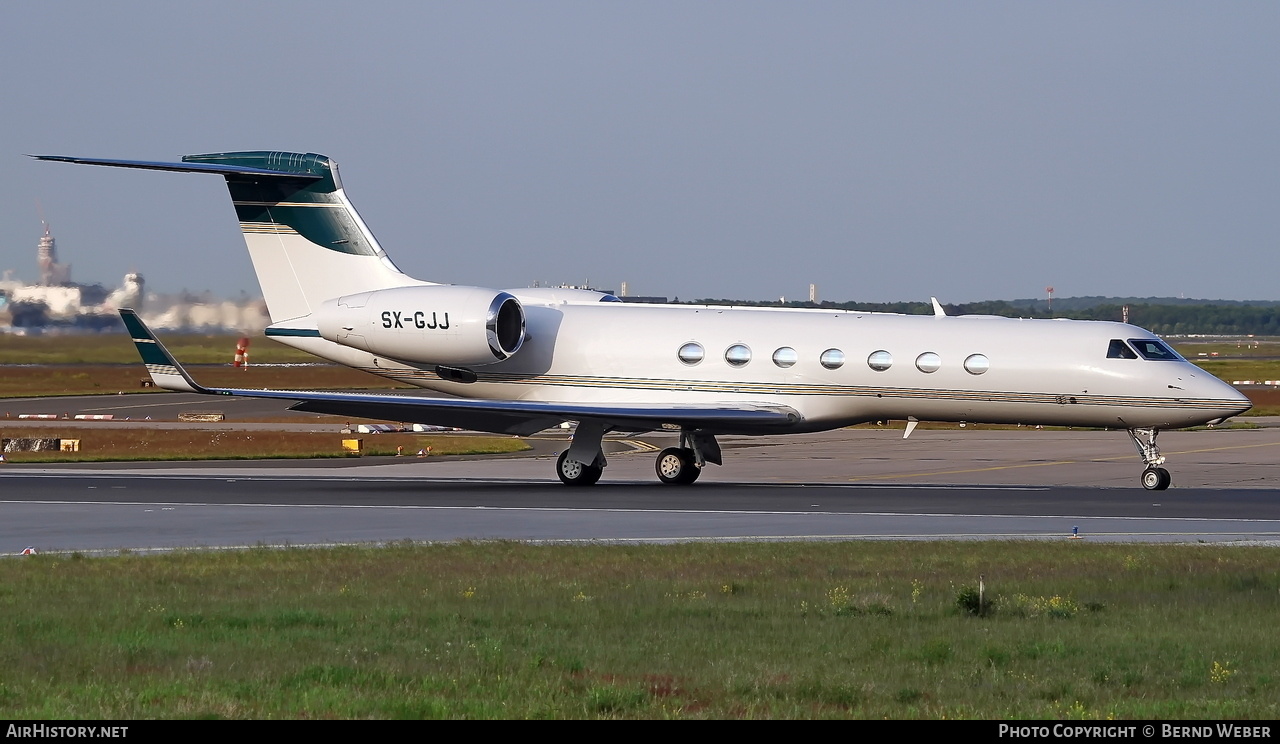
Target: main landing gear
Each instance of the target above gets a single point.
(583, 462)
(1154, 478)
(574, 473)
(680, 466)
(677, 466)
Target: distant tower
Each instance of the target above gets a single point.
(623, 292)
(1050, 291)
(52, 273)
(813, 293)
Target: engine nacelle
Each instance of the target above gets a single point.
(439, 324)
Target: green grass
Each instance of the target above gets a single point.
(744, 630)
(1243, 347)
(1241, 369)
(117, 348)
(30, 381)
(1245, 360)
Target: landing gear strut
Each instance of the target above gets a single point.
(1154, 478)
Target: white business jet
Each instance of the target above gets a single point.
(523, 360)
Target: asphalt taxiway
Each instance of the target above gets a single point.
(848, 484)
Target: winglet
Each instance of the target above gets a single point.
(165, 371)
(937, 308)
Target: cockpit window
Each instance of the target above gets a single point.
(1120, 350)
(1149, 348)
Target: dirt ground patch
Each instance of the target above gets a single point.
(211, 444)
(1266, 401)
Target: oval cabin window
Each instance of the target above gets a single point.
(880, 360)
(691, 353)
(928, 362)
(976, 364)
(737, 355)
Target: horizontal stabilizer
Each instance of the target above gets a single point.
(305, 239)
(225, 169)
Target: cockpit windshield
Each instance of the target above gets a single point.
(1150, 348)
(1120, 350)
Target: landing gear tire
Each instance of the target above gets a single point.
(677, 466)
(574, 473)
(1156, 479)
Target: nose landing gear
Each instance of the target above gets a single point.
(1154, 478)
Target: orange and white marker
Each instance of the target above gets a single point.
(242, 353)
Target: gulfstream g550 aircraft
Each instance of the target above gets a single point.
(523, 360)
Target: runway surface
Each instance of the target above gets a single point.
(850, 484)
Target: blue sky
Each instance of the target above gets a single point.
(885, 151)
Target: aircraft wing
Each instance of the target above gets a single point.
(499, 416)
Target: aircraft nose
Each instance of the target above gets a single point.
(1231, 402)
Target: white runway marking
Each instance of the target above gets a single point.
(619, 510)
(142, 405)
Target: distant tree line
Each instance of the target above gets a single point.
(1227, 318)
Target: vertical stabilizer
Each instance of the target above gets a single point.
(306, 241)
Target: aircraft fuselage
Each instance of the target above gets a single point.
(836, 368)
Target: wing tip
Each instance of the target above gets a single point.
(164, 370)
